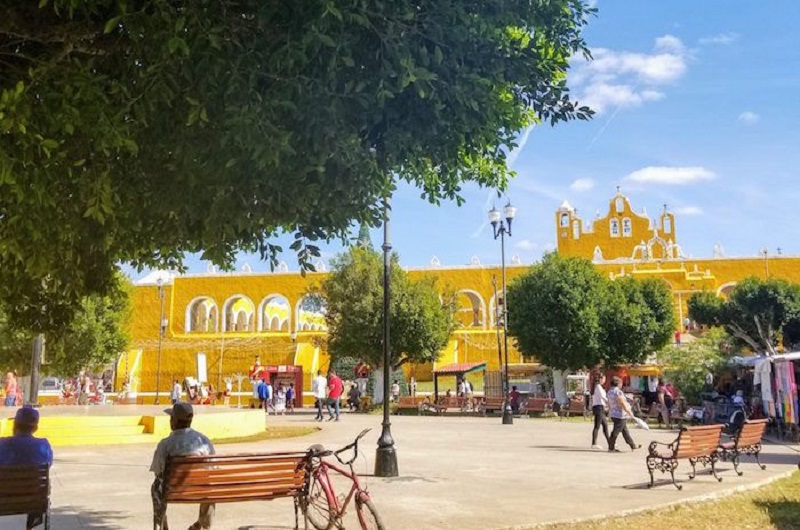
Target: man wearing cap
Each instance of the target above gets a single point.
(182, 441)
(23, 449)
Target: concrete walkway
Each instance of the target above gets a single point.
(465, 473)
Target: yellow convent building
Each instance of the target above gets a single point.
(213, 325)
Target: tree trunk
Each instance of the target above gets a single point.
(377, 387)
(560, 386)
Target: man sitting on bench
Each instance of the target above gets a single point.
(182, 441)
(22, 449)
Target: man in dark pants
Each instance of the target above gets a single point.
(620, 409)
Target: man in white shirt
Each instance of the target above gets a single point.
(176, 392)
(182, 441)
(319, 387)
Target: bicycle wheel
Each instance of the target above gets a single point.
(368, 516)
(316, 507)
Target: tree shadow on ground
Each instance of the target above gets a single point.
(61, 516)
(785, 515)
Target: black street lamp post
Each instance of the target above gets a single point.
(385, 455)
(501, 229)
(162, 327)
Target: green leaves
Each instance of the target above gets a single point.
(568, 316)
(353, 292)
(212, 127)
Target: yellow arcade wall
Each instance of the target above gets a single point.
(233, 352)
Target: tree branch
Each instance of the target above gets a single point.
(739, 333)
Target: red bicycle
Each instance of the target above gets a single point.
(322, 507)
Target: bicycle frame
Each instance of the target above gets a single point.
(321, 473)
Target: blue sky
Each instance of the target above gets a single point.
(696, 109)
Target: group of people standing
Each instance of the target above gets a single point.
(280, 400)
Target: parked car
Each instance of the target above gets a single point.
(50, 384)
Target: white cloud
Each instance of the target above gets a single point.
(722, 39)
(525, 244)
(670, 43)
(582, 185)
(749, 118)
(623, 79)
(689, 210)
(670, 175)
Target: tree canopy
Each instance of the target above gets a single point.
(420, 323)
(94, 338)
(760, 314)
(569, 316)
(687, 364)
(137, 131)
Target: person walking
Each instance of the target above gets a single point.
(261, 391)
(620, 410)
(175, 396)
(599, 407)
(11, 390)
(335, 391)
(182, 441)
(319, 387)
(395, 391)
(290, 398)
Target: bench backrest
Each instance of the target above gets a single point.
(235, 478)
(450, 402)
(751, 432)
(538, 404)
(577, 405)
(24, 489)
(698, 441)
(494, 401)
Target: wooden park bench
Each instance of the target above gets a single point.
(237, 478)
(536, 405)
(747, 441)
(490, 404)
(697, 444)
(575, 407)
(445, 403)
(410, 403)
(24, 490)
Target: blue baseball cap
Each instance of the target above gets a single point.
(27, 416)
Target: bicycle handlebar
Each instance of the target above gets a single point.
(353, 446)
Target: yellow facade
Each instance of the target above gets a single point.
(232, 317)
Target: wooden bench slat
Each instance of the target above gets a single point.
(24, 489)
(180, 481)
(239, 459)
(255, 468)
(244, 491)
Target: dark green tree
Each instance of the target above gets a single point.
(96, 336)
(569, 316)
(353, 293)
(136, 131)
(758, 313)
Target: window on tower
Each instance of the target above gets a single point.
(667, 222)
(626, 227)
(576, 230)
(614, 227)
(620, 205)
(564, 220)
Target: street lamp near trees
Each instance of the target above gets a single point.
(162, 328)
(501, 229)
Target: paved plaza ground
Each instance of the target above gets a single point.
(455, 472)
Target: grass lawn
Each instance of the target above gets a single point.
(271, 433)
(775, 506)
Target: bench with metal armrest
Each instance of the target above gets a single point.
(746, 441)
(696, 444)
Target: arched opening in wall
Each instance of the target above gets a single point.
(667, 225)
(725, 290)
(620, 205)
(272, 311)
(238, 315)
(470, 310)
(576, 230)
(311, 312)
(564, 220)
(201, 315)
(627, 231)
(614, 228)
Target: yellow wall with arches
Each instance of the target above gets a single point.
(301, 337)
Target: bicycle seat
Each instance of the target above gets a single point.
(318, 450)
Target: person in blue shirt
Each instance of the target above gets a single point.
(23, 449)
